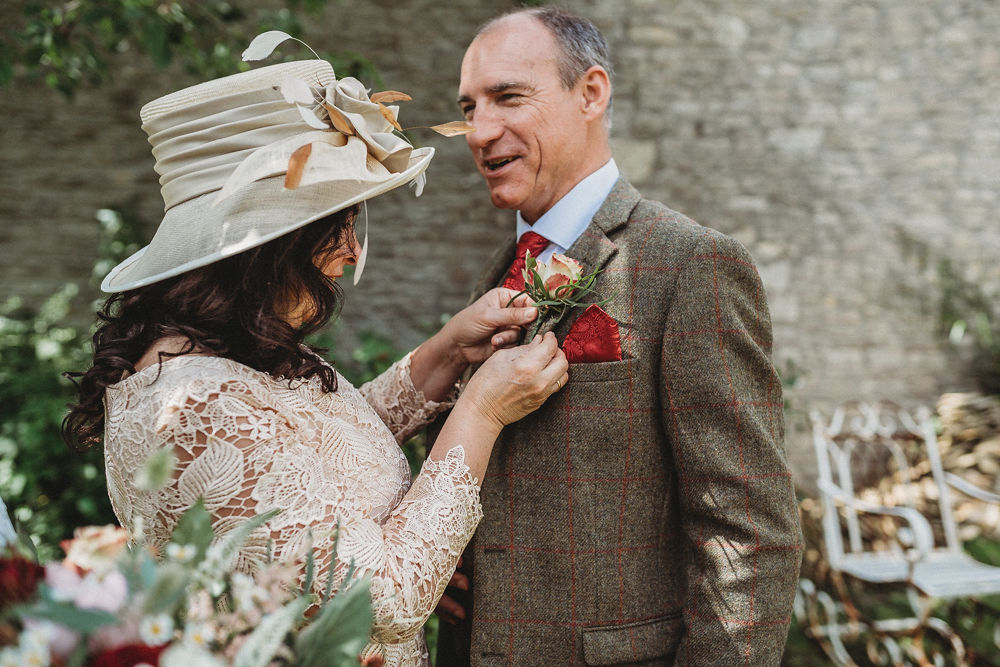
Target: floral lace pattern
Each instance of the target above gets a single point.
(247, 443)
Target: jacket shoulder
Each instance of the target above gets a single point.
(662, 229)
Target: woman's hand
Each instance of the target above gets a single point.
(515, 382)
(469, 337)
(488, 324)
(511, 384)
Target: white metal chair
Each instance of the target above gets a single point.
(883, 442)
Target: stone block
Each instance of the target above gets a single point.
(797, 141)
(635, 158)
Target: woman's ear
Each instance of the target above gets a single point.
(595, 92)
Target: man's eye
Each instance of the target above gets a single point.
(467, 110)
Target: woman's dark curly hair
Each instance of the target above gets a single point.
(232, 308)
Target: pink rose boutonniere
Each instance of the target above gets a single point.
(555, 287)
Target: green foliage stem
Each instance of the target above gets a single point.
(971, 317)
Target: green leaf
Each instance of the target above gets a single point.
(338, 634)
(157, 42)
(270, 634)
(228, 546)
(168, 588)
(330, 566)
(195, 528)
(310, 566)
(84, 621)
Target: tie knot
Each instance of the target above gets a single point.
(531, 241)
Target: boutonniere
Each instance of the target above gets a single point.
(555, 286)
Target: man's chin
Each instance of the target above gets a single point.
(504, 200)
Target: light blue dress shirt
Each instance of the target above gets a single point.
(563, 224)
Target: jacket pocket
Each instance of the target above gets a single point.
(602, 371)
(633, 642)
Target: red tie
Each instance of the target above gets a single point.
(529, 241)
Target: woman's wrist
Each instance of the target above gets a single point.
(435, 367)
(468, 411)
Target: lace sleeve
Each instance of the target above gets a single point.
(425, 535)
(245, 454)
(403, 407)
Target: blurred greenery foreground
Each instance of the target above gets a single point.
(108, 603)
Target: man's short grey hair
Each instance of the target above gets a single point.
(581, 44)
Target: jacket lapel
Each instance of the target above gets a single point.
(594, 249)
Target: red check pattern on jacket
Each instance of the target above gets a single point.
(645, 514)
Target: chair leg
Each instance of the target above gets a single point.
(831, 623)
(825, 620)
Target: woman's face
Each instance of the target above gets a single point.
(331, 262)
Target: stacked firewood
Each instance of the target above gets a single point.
(970, 447)
(969, 443)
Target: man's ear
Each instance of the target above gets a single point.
(595, 92)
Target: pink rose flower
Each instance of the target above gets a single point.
(94, 547)
(558, 272)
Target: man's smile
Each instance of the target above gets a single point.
(495, 164)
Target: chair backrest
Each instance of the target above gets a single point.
(879, 453)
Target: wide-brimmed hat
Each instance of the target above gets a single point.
(246, 158)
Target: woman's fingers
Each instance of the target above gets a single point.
(449, 610)
(510, 317)
(506, 338)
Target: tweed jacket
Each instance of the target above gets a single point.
(645, 514)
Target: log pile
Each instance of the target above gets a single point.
(969, 442)
(970, 447)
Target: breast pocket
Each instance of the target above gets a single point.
(602, 371)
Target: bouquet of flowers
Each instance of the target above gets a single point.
(109, 604)
(555, 287)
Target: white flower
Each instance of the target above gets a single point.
(182, 553)
(38, 635)
(107, 591)
(10, 657)
(63, 581)
(35, 656)
(156, 630)
(246, 591)
(199, 634)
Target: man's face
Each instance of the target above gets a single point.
(531, 137)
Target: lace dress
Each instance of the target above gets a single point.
(248, 443)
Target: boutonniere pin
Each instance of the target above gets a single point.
(555, 287)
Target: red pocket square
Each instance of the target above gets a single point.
(593, 337)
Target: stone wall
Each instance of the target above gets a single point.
(852, 146)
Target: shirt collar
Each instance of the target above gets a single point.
(568, 218)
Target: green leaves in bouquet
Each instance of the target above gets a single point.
(552, 307)
(339, 632)
(48, 608)
(194, 528)
(264, 642)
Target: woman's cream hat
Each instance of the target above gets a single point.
(226, 150)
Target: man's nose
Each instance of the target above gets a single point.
(489, 128)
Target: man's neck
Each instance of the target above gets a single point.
(566, 220)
